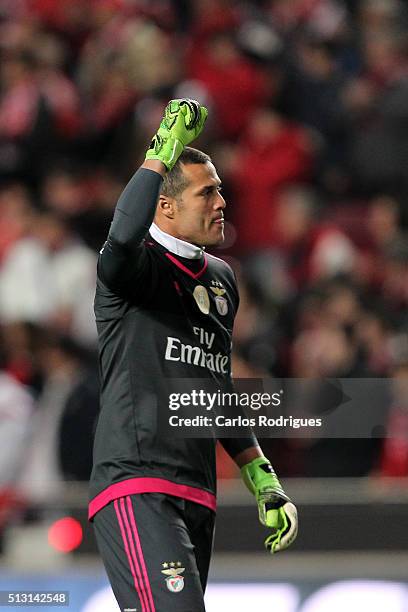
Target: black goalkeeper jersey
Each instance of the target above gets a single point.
(159, 316)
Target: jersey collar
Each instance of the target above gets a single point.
(175, 245)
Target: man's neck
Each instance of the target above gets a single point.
(175, 245)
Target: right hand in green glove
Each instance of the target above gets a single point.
(182, 122)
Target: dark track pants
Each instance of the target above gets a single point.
(156, 550)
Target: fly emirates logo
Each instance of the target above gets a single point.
(197, 355)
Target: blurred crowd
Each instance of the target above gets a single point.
(308, 128)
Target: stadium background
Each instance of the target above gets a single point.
(308, 128)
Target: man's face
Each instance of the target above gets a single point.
(199, 212)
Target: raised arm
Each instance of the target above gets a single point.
(136, 206)
(183, 121)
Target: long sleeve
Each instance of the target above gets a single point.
(121, 255)
(234, 446)
(246, 439)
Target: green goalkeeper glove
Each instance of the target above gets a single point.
(275, 507)
(182, 122)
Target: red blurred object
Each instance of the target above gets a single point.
(21, 368)
(51, 12)
(236, 86)
(307, 258)
(394, 460)
(10, 503)
(266, 164)
(18, 108)
(65, 535)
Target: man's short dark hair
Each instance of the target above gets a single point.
(175, 182)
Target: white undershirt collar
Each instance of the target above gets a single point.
(175, 245)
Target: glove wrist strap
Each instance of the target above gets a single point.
(167, 151)
(259, 473)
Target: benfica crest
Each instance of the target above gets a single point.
(174, 580)
(220, 301)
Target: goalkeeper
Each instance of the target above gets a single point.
(161, 301)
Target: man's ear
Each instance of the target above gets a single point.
(166, 206)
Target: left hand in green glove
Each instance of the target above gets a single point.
(276, 510)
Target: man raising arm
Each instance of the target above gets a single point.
(159, 319)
